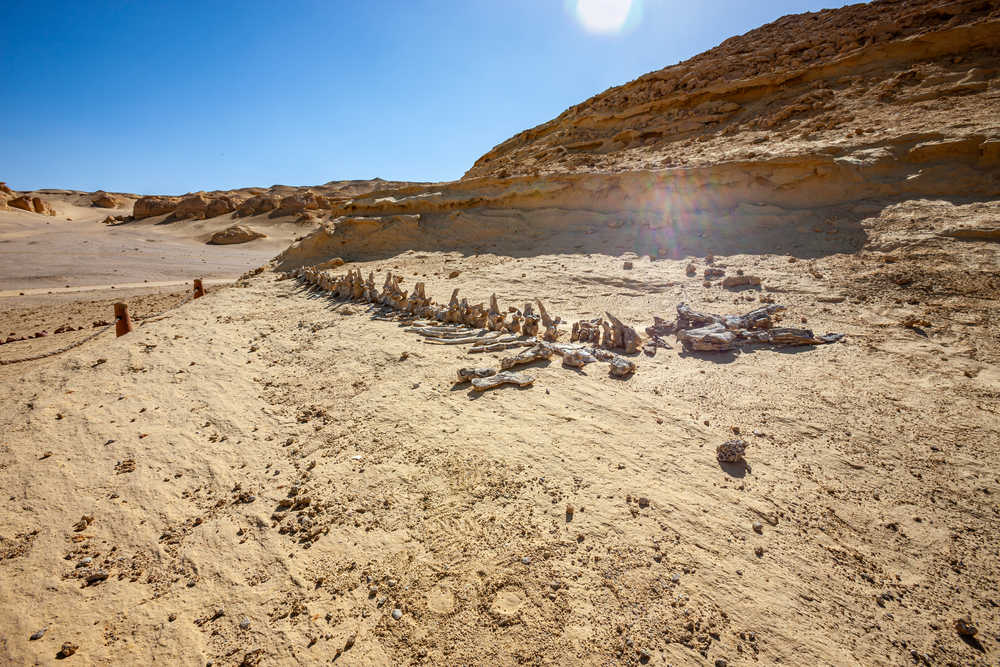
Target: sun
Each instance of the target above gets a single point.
(602, 16)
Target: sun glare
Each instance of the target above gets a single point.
(603, 16)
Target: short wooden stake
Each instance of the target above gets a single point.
(123, 323)
(199, 291)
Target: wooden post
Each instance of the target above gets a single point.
(123, 323)
(199, 291)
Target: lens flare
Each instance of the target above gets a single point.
(603, 16)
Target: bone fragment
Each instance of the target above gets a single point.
(467, 374)
(538, 352)
(504, 377)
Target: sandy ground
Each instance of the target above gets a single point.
(266, 474)
(44, 252)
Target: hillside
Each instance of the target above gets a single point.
(883, 75)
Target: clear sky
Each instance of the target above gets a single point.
(169, 97)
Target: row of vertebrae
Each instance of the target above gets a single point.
(610, 334)
(458, 311)
(613, 334)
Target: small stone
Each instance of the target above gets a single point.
(643, 502)
(245, 624)
(758, 527)
(171, 618)
(397, 614)
(675, 578)
(965, 627)
(38, 634)
(97, 576)
(719, 662)
(66, 650)
(759, 551)
(731, 451)
(453, 274)
(627, 266)
(526, 561)
(569, 512)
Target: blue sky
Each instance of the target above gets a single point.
(172, 97)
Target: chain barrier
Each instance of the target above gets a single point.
(44, 355)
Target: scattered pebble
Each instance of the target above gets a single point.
(758, 527)
(66, 650)
(245, 624)
(675, 578)
(525, 560)
(38, 634)
(643, 502)
(965, 627)
(759, 551)
(397, 614)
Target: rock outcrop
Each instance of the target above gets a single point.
(235, 234)
(221, 206)
(191, 208)
(147, 207)
(299, 203)
(102, 199)
(31, 205)
(257, 205)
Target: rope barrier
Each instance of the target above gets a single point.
(44, 355)
(5, 362)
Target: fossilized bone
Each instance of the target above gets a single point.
(418, 300)
(538, 352)
(467, 374)
(487, 337)
(514, 326)
(504, 377)
(622, 367)
(577, 358)
(500, 345)
(369, 294)
(587, 331)
(530, 326)
(759, 318)
(622, 336)
(551, 326)
(454, 312)
(494, 318)
(709, 338)
(474, 316)
(449, 332)
(392, 295)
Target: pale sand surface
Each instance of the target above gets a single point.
(39, 252)
(872, 469)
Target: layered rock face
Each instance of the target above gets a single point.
(792, 124)
(828, 82)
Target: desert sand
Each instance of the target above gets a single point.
(275, 474)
